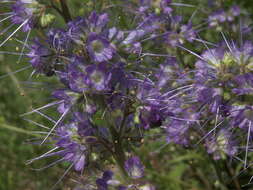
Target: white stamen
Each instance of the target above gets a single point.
(45, 116)
(48, 166)
(247, 146)
(43, 107)
(6, 18)
(12, 34)
(23, 48)
(14, 72)
(198, 56)
(65, 173)
(229, 47)
(37, 124)
(182, 5)
(210, 132)
(56, 124)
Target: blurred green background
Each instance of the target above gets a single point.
(178, 169)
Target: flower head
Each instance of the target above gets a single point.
(99, 48)
(134, 167)
(98, 77)
(73, 152)
(41, 57)
(186, 33)
(221, 144)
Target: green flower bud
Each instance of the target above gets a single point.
(46, 19)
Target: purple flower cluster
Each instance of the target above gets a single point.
(106, 100)
(223, 82)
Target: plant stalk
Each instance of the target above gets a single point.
(65, 11)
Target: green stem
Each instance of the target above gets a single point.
(203, 178)
(218, 172)
(55, 7)
(119, 154)
(19, 130)
(120, 165)
(181, 58)
(65, 11)
(121, 127)
(231, 174)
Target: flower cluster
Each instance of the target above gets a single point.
(223, 79)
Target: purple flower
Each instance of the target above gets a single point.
(144, 5)
(233, 12)
(81, 77)
(79, 28)
(242, 91)
(76, 155)
(99, 48)
(67, 97)
(170, 73)
(222, 16)
(186, 33)
(98, 77)
(221, 144)
(243, 54)
(211, 96)
(244, 84)
(97, 22)
(147, 26)
(122, 188)
(75, 138)
(74, 76)
(134, 167)
(120, 77)
(74, 152)
(59, 40)
(107, 175)
(102, 183)
(178, 126)
(23, 11)
(114, 88)
(150, 117)
(134, 36)
(150, 23)
(224, 72)
(177, 132)
(165, 6)
(216, 18)
(41, 57)
(78, 81)
(75, 29)
(242, 117)
(115, 34)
